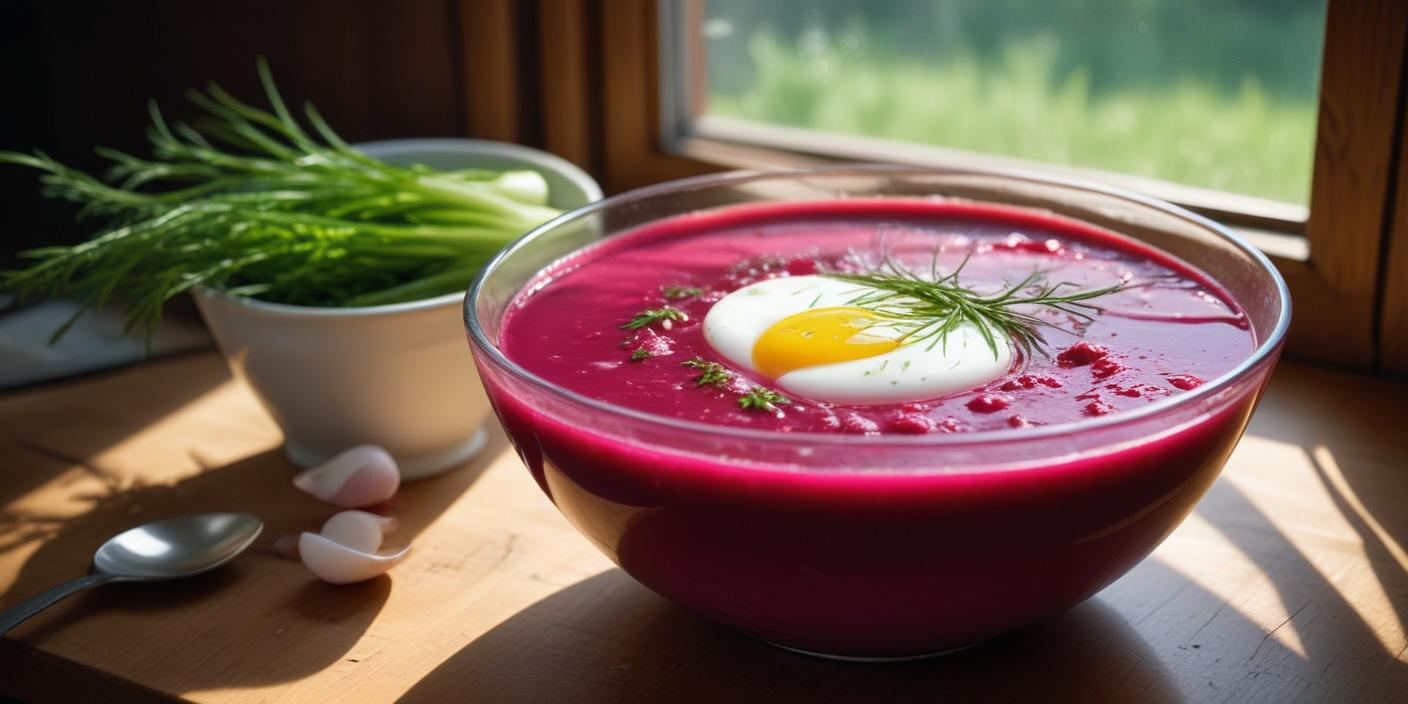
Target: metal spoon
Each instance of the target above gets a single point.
(161, 550)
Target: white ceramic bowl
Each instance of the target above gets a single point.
(397, 376)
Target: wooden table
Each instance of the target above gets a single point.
(1289, 582)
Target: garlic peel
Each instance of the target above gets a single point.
(346, 550)
(359, 476)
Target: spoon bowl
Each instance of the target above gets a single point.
(167, 549)
(177, 547)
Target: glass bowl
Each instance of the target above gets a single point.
(877, 547)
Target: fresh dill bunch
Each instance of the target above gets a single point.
(651, 316)
(762, 399)
(250, 202)
(711, 373)
(929, 309)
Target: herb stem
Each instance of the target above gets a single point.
(929, 309)
(250, 202)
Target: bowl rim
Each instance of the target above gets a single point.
(1265, 349)
(380, 148)
(289, 310)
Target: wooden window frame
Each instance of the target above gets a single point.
(599, 87)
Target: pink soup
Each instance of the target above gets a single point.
(850, 529)
(1170, 329)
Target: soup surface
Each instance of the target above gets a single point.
(760, 316)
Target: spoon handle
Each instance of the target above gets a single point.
(19, 613)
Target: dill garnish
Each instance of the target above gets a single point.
(930, 308)
(762, 399)
(675, 292)
(712, 373)
(651, 316)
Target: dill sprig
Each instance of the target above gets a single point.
(256, 202)
(711, 373)
(640, 354)
(675, 292)
(762, 399)
(930, 308)
(651, 316)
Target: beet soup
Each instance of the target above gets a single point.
(771, 414)
(1163, 333)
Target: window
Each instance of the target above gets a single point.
(1217, 96)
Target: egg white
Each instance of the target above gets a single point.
(913, 372)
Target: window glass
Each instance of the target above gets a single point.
(1218, 94)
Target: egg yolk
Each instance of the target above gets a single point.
(816, 337)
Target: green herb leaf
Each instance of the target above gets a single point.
(250, 202)
(675, 292)
(640, 354)
(654, 315)
(930, 308)
(762, 399)
(713, 373)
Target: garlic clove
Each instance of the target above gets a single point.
(345, 551)
(358, 530)
(336, 563)
(359, 476)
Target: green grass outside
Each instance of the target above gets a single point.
(1244, 141)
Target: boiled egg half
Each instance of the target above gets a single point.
(805, 334)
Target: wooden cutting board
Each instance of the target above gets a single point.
(1289, 582)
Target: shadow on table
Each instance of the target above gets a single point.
(1340, 656)
(295, 627)
(1350, 427)
(77, 416)
(607, 639)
